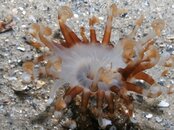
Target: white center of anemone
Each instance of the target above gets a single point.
(80, 60)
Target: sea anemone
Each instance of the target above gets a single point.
(95, 68)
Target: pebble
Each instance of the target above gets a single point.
(158, 119)
(54, 121)
(23, 26)
(71, 124)
(11, 78)
(19, 88)
(23, 12)
(101, 18)
(173, 6)
(134, 120)
(171, 37)
(162, 82)
(149, 116)
(21, 8)
(39, 84)
(76, 16)
(104, 122)
(38, 127)
(57, 114)
(21, 48)
(163, 104)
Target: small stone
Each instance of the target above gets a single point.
(158, 119)
(54, 121)
(23, 26)
(149, 116)
(162, 82)
(71, 124)
(19, 88)
(104, 122)
(101, 18)
(23, 12)
(44, 49)
(57, 114)
(170, 37)
(76, 16)
(134, 120)
(21, 8)
(39, 84)
(21, 48)
(163, 104)
(11, 78)
(38, 127)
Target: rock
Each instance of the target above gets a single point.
(39, 84)
(104, 122)
(149, 116)
(163, 104)
(158, 119)
(21, 48)
(19, 88)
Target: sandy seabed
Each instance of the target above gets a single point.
(18, 109)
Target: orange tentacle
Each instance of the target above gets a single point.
(109, 97)
(93, 21)
(70, 37)
(133, 87)
(37, 45)
(45, 41)
(85, 99)
(141, 67)
(100, 98)
(145, 77)
(28, 67)
(107, 33)
(60, 104)
(72, 93)
(82, 33)
(128, 69)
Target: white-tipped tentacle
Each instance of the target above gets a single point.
(55, 87)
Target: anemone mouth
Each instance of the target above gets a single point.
(103, 78)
